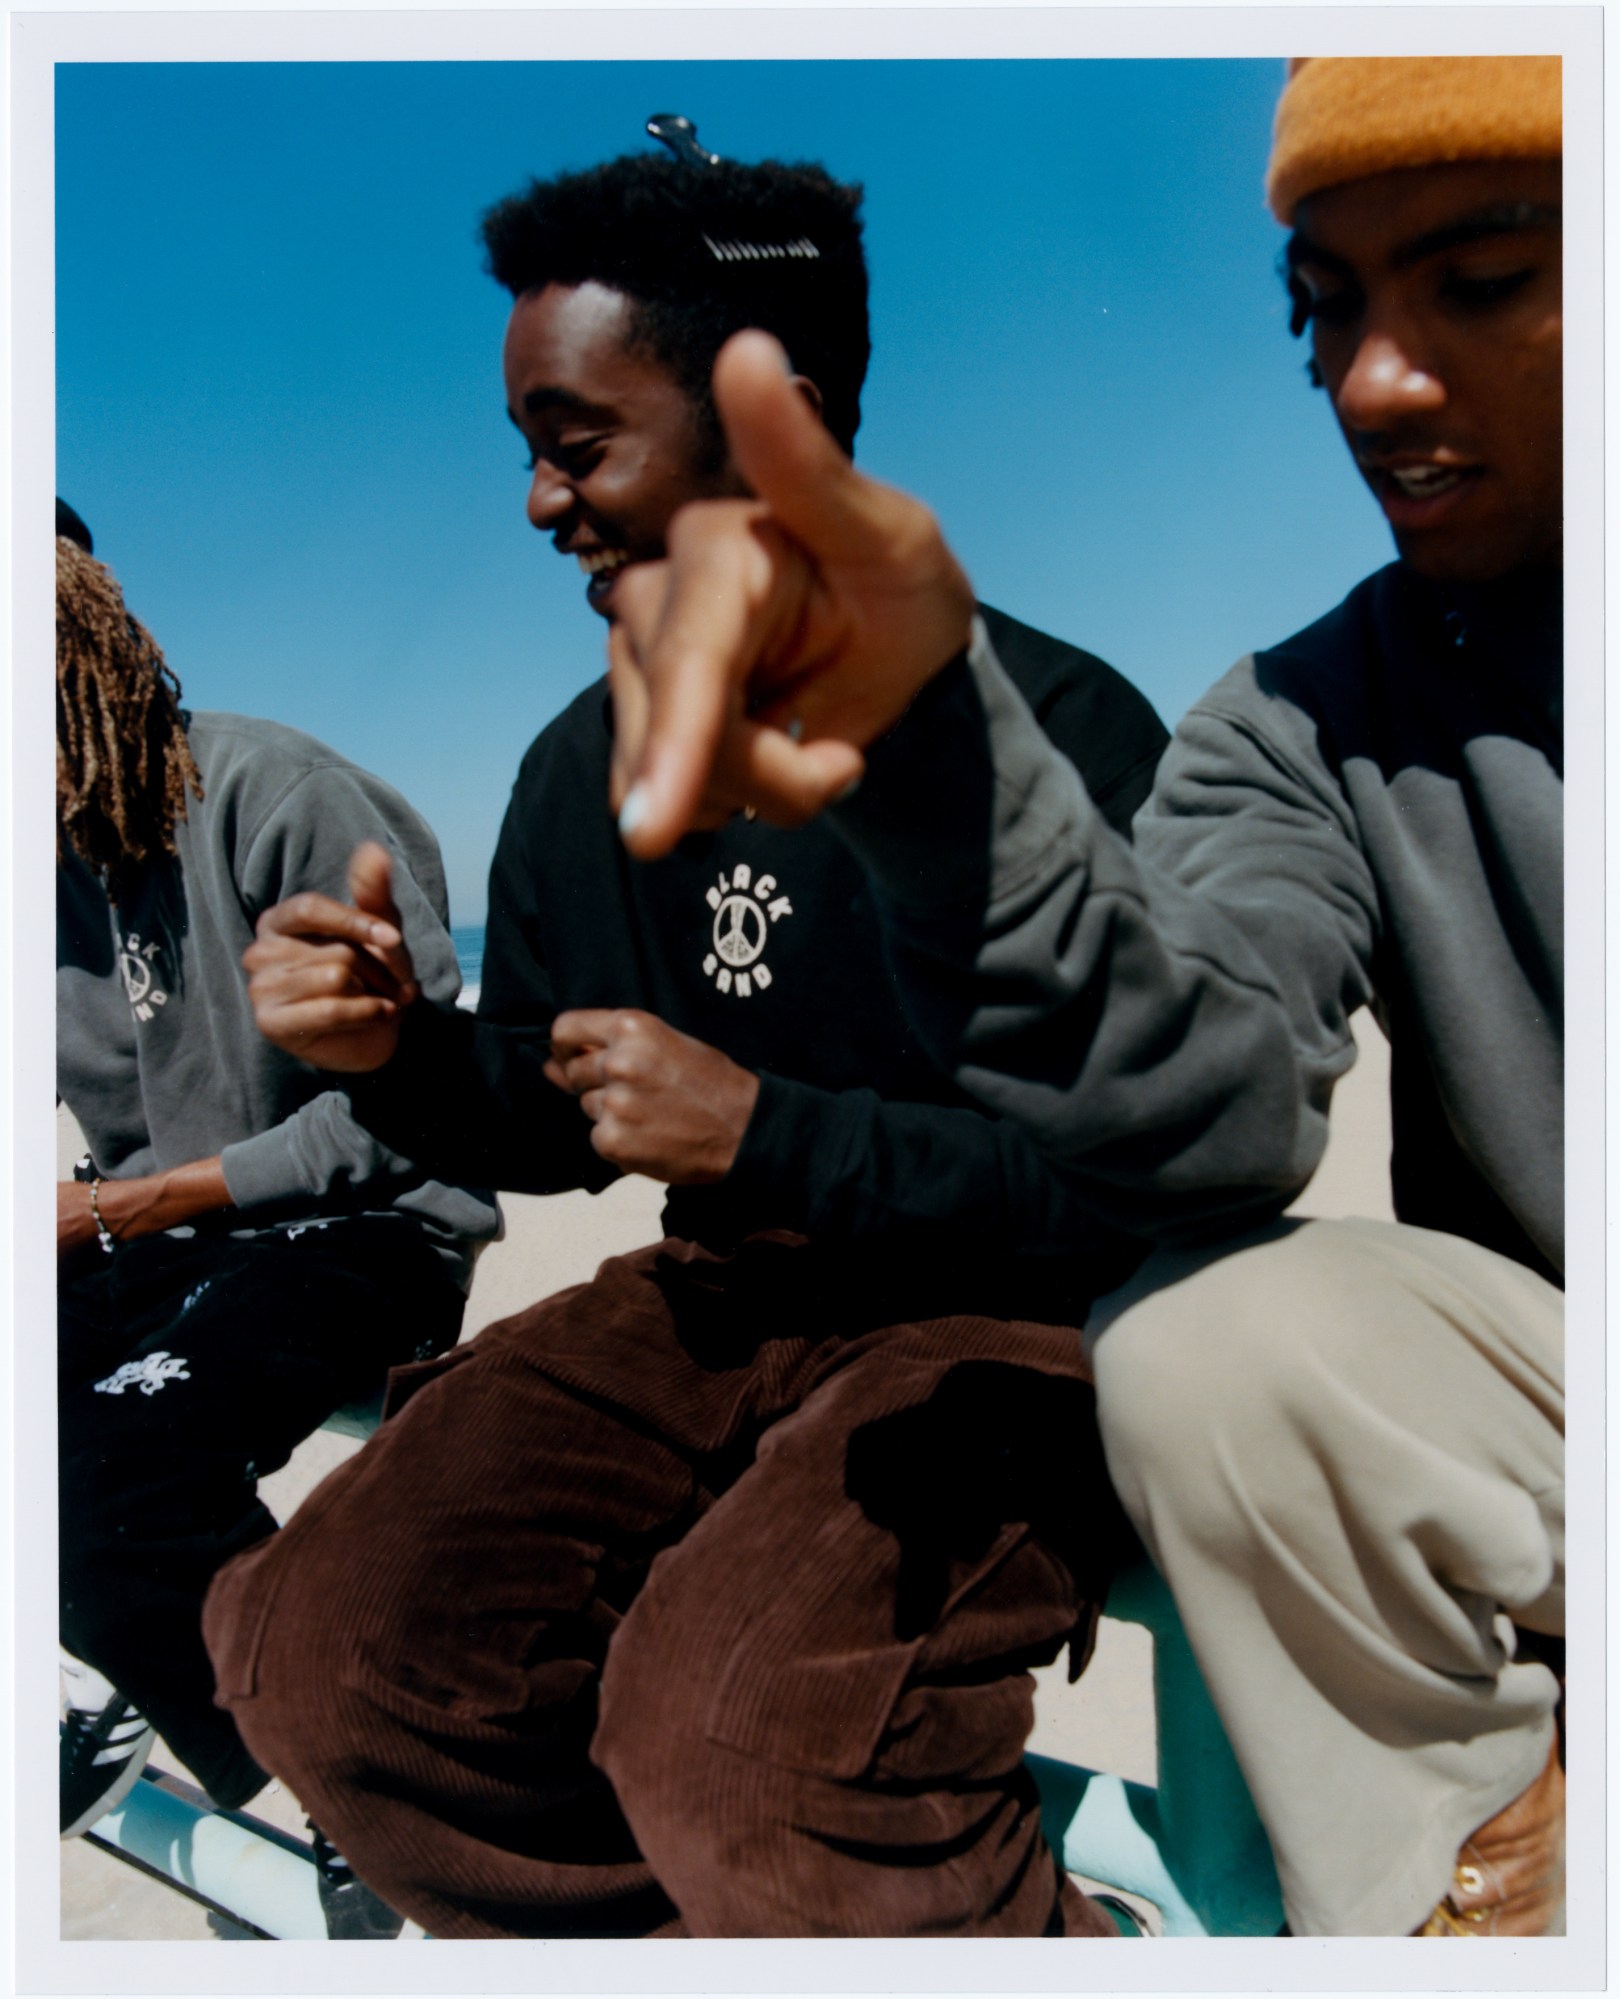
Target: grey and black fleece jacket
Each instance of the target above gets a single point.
(157, 1055)
(1368, 815)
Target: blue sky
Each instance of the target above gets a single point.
(279, 399)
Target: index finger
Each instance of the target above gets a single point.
(322, 917)
(688, 653)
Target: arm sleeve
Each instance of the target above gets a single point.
(1166, 1022)
(907, 1180)
(851, 1167)
(303, 841)
(470, 1098)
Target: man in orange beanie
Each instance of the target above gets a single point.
(1342, 1441)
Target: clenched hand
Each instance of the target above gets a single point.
(660, 1102)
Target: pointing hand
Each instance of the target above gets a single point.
(780, 635)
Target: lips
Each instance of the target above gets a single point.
(1419, 492)
(601, 567)
(595, 560)
(1424, 482)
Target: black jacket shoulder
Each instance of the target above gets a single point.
(1105, 726)
(577, 740)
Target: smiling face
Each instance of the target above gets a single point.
(615, 444)
(1435, 297)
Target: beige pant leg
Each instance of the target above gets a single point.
(1343, 1443)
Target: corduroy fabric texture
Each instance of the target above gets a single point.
(814, 1559)
(1342, 118)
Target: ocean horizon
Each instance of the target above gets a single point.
(468, 939)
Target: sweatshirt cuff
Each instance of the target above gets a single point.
(263, 1169)
(964, 797)
(778, 1145)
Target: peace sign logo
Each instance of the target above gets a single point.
(744, 912)
(739, 931)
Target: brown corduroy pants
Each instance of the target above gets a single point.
(686, 1601)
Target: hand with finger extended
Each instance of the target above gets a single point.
(330, 980)
(660, 1102)
(781, 635)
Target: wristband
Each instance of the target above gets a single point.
(104, 1235)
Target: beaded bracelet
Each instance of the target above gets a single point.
(104, 1235)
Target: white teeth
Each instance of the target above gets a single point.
(594, 560)
(1422, 481)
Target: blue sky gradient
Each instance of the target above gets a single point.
(279, 397)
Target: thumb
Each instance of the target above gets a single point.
(371, 882)
(371, 889)
(787, 456)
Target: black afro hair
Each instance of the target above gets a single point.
(702, 251)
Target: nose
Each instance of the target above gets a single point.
(550, 495)
(1387, 381)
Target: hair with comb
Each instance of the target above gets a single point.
(702, 250)
(123, 764)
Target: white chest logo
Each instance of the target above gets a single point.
(135, 964)
(147, 1375)
(745, 911)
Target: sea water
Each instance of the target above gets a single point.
(468, 938)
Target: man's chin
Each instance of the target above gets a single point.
(1461, 559)
(602, 589)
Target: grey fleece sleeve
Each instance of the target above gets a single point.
(320, 1149)
(1168, 1020)
(304, 842)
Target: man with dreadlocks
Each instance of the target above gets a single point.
(237, 1257)
(843, 1508)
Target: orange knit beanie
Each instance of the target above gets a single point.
(1343, 117)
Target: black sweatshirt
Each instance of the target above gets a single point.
(763, 943)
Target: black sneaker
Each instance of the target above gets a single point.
(103, 1751)
(353, 1913)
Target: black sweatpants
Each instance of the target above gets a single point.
(187, 1368)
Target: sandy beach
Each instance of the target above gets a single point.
(1105, 1721)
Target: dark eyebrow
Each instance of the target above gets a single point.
(1506, 218)
(537, 401)
(1303, 249)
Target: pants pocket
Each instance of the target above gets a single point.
(813, 1684)
(404, 1381)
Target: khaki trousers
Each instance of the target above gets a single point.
(1342, 1442)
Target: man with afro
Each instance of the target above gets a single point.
(772, 1436)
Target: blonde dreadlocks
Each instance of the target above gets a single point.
(123, 764)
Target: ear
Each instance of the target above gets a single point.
(811, 394)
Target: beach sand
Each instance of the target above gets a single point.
(1104, 1721)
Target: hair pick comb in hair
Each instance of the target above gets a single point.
(680, 136)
